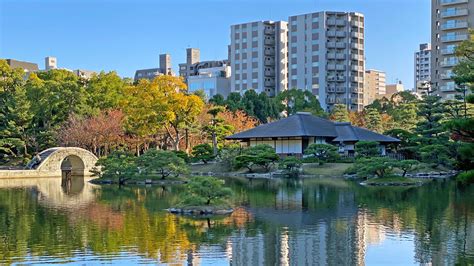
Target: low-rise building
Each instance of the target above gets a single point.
(150, 73)
(214, 80)
(292, 135)
(26, 66)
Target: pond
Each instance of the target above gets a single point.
(280, 222)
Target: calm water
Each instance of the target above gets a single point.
(280, 223)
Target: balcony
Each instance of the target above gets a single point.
(340, 34)
(269, 61)
(454, 13)
(447, 51)
(452, 2)
(269, 83)
(331, 33)
(356, 57)
(269, 41)
(340, 90)
(340, 22)
(356, 46)
(331, 22)
(331, 89)
(356, 24)
(340, 100)
(340, 45)
(446, 75)
(357, 35)
(269, 31)
(356, 68)
(340, 67)
(269, 52)
(447, 88)
(336, 78)
(452, 26)
(454, 38)
(331, 45)
(331, 100)
(340, 56)
(356, 79)
(449, 63)
(355, 90)
(269, 73)
(331, 67)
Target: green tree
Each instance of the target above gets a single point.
(436, 155)
(406, 165)
(464, 70)
(15, 114)
(105, 91)
(259, 155)
(339, 113)
(53, 95)
(217, 99)
(118, 165)
(206, 191)
(323, 152)
(218, 129)
(373, 120)
(367, 149)
(375, 166)
(161, 163)
(430, 127)
(405, 116)
(295, 100)
(291, 165)
(234, 102)
(203, 152)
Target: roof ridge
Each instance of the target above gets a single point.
(300, 119)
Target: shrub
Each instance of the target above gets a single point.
(183, 155)
(118, 165)
(323, 152)
(161, 163)
(203, 152)
(261, 155)
(367, 149)
(406, 165)
(228, 154)
(291, 165)
(206, 191)
(376, 166)
(436, 154)
(466, 177)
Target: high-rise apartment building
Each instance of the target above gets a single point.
(422, 65)
(450, 21)
(374, 85)
(326, 56)
(258, 56)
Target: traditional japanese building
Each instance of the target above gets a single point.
(292, 135)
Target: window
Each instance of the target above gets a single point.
(315, 64)
(294, 77)
(294, 66)
(315, 20)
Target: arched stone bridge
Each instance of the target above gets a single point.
(52, 162)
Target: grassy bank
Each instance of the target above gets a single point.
(328, 169)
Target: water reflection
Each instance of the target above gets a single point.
(281, 222)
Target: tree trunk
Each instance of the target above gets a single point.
(214, 143)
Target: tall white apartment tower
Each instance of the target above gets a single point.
(258, 55)
(450, 21)
(326, 56)
(423, 64)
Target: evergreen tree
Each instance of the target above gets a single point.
(339, 113)
(430, 128)
(373, 120)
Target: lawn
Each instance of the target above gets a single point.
(328, 169)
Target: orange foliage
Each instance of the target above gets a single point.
(239, 120)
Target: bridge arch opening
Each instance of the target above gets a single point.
(72, 173)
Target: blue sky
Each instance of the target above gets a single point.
(128, 35)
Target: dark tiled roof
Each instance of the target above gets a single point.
(298, 125)
(307, 125)
(347, 132)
